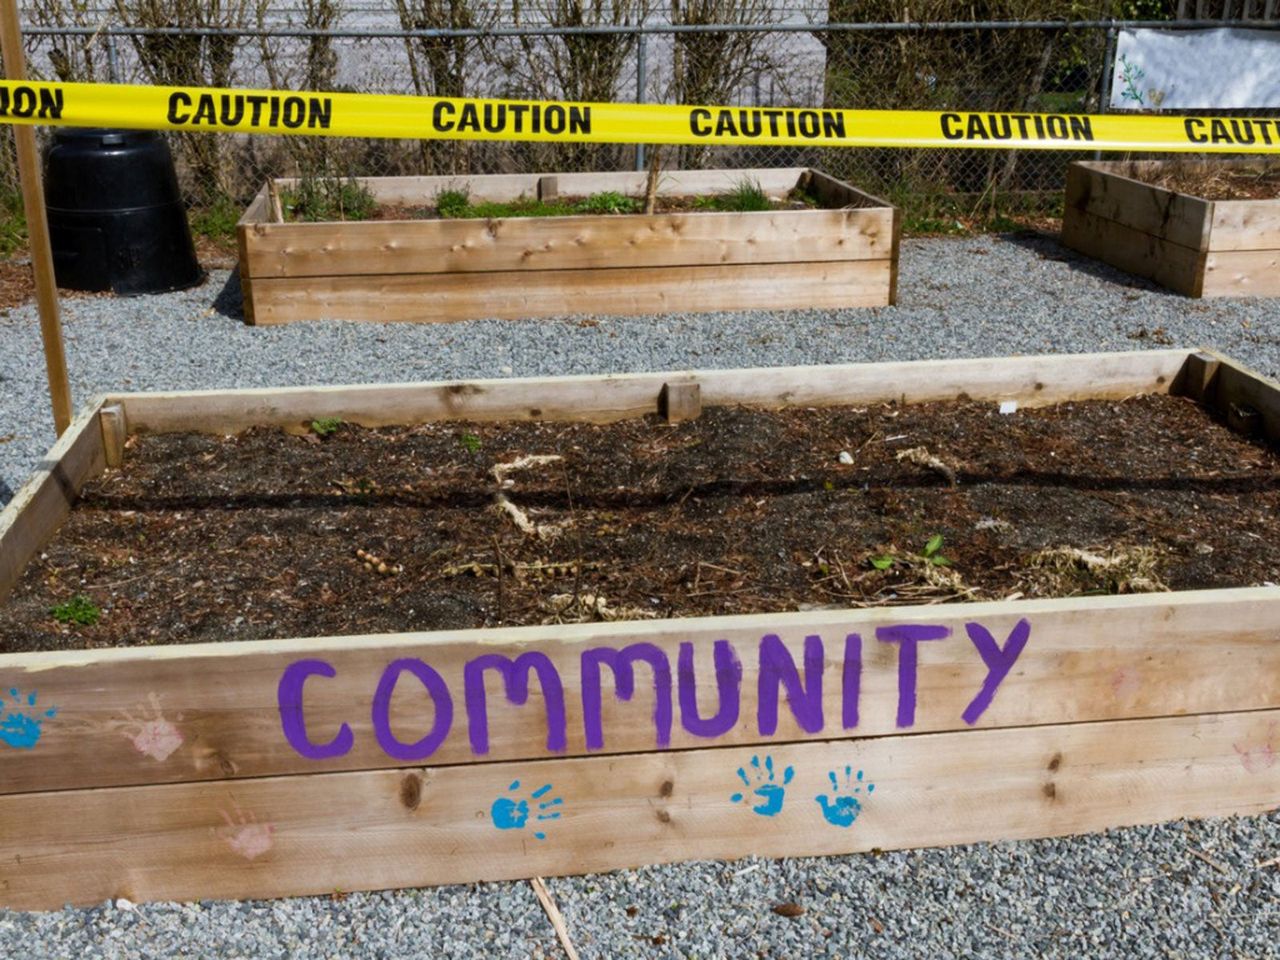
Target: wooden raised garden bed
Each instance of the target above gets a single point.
(1137, 216)
(841, 253)
(168, 769)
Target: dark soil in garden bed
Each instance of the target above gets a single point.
(269, 534)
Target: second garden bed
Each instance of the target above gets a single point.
(841, 253)
(1205, 229)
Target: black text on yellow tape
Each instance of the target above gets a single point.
(398, 116)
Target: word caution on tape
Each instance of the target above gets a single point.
(378, 115)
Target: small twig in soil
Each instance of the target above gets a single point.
(1199, 855)
(497, 562)
(555, 916)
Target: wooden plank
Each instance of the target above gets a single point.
(416, 827)
(893, 256)
(434, 298)
(564, 243)
(678, 402)
(1031, 380)
(249, 709)
(1245, 225)
(1177, 267)
(838, 194)
(114, 433)
(1104, 190)
(1196, 379)
(258, 211)
(1242, 273)
(1235, 385)
(32, 516)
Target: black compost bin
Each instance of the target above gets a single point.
(116, 219)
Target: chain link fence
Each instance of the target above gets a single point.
(1032, 56)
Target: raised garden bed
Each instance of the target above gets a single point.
(841, 253)
(173, 768)
(1222, 240)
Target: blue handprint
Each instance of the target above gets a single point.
(766, 787)
(20, 727)
(843, 806)
(512, 813)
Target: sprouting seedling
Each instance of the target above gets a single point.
(470, 442)
(79, 610)
(326, 426)
(930, 552)
(882, 562)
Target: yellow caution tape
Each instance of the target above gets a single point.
(432, 118)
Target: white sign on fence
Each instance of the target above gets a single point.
(1196, 69)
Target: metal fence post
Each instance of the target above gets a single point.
(642, 42)
(1108, 70)
(113, 58)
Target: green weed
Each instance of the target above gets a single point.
(79, 610)
(316, 199)
(470, 442)
(453, 204)
(326, 426)
(608, 202)
(747, 196)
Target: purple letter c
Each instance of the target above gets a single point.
(289, 696)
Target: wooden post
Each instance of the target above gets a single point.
(37, 226)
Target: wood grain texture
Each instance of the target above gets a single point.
(1242, 273)
(211, 711)
(1103, 190)
(415, 827)
(1245, 225)
(376, 248)
(443, 297)
(1032, 380)
(1174, 266)
(1233, 384)
(42, 503)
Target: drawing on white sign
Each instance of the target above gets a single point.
(1196, 69)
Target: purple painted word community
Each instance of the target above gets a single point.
(674, 689)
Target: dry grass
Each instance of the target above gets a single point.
(1213, 180)
(1070, 571)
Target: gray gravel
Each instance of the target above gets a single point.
(1126, 893)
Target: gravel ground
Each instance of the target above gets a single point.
(1178, 890)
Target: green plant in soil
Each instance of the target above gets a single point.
(326, 426)
(470, 442)
(608, 202)
(930, 553)
(317, 199)
(745, 197)
(79, 610)
(930, 556)
(453, 204)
